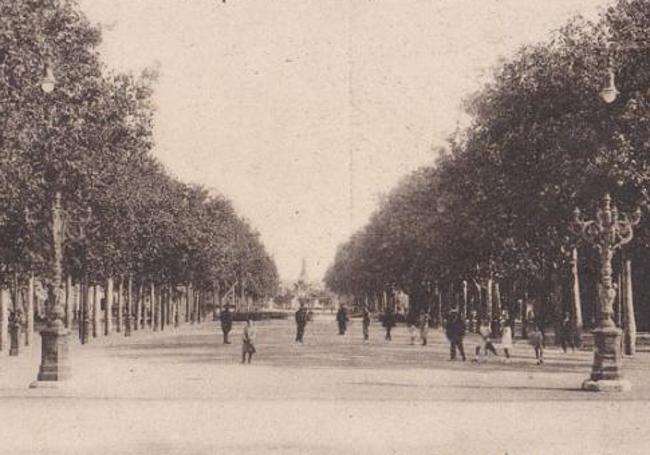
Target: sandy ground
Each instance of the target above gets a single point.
(183, 392)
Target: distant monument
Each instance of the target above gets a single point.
(303, 278)
(303, 289)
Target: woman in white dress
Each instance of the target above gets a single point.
(506, 338)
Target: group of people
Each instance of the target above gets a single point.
(248, 334)
(454, 330)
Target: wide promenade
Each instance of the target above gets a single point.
(183, 392)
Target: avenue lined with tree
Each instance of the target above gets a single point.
(491, 225)
(86, 211)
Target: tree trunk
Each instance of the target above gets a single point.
(68, 302)
(162, 298)
(108, 307)
(438, 321)
(488, 301)
(29, 334)
(154, 310)
(120, 306)
(186, 303)
(96, 311)
(168, 302)
(630, 320)
(497, 300)
(618, 311)
(463, 306)
(128, 323)
(5, 301)
(576, 305)
(137, 323)
(191, 304)
(87, 312)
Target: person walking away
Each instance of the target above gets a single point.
(342, 319)
(536, 339)
(485, 343)
(301, 322)
(423, 323)
(411, 323)
(455, 331)
(248, 341)
(226, 323)
(388, 322)
(506, 338)
(366, 324)
(566, 337)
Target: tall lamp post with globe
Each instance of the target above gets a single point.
(607, 232)
(55, 360)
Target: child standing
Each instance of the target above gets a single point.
(248, 341)
(485, 343)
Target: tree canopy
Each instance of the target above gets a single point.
(90, 140)
(541, 142)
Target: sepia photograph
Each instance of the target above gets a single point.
(324, 227)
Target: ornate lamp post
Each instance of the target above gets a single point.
(609, 231)
(55, 360)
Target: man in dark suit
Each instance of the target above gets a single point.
(226, 323)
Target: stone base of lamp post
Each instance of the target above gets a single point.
(605, 371)
(55, 357)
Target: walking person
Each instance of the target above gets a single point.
(342, 319)
(423, 323)
(226, 323)
(248, 341)
(388, 322)
(536, 339)
(455, 332)
(485, 343)
(411, 323)
(506, 339)
(366, 323)
(301, 322)
(567, 337)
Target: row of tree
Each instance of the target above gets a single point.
(81, 195)
(489, 226)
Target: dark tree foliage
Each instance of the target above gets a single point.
(90, 140)
(541, 142)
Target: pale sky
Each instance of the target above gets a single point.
(267, 100)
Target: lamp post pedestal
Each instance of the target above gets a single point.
(55, 356)
(605, 371)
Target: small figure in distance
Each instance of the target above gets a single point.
(301, 322)
(506, 338)
(226, 323)
(342, 319)
(248, 341)
(423, 322)
(388, 322)
(485, 343)
(411, 323)
(366, 323)
(536, 339)
(567, 337)
(455, 331)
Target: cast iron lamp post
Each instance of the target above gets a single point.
(608, 232)
(55, 359)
